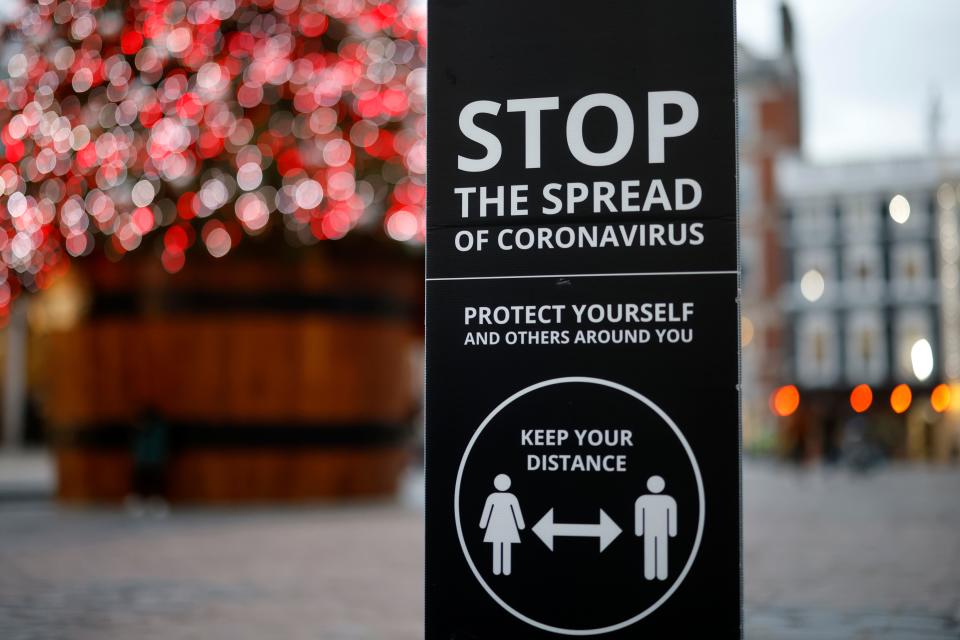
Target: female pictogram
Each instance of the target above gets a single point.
(503, 522)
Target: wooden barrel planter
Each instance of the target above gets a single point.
(273, 382)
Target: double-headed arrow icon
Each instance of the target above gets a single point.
(607, 531)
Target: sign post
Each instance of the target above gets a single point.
(583, 440)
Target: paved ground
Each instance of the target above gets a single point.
(829, 556)
(832, 555)
(25, 475)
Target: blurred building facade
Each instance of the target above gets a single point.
(769, 127)
(850, 293)
(871, 304)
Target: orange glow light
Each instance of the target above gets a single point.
(900, 398)
(861, 398)
(785, 400)
(940, 398)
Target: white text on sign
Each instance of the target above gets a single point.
(588, 462)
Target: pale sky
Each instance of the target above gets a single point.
(869, 70)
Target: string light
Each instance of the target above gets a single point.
(149, 121)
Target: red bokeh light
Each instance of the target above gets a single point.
(861, 398)
(99, 98)
(785, 401)
(901, 398)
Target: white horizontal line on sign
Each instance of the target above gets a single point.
(594, 275)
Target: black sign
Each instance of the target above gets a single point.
(583, 447)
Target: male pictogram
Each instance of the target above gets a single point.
(656, 522)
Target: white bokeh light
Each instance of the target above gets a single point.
(899, 209)
(249, 176)
(218, 242)
(812, 285)
(309, 194)
(402, 225)
(143, 193)
(921, 357)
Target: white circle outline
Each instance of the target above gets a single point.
(696, 472)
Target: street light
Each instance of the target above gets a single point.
(785, 400)
(900, 398)
(861, 398)
(940, 398)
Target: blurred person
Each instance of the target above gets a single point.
(831, 438)
(887, 432)
(952, 428)
(797, 435)
(150, 453)
(857, 448)
(953, 454)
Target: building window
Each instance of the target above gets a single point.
(866, 348)
(817, 354)
(861, 220)
(813, 222)
(910, 270)
(863, 272)
(910, 326)
(815, 275)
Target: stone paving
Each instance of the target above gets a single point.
(829, 556)
(25, 475)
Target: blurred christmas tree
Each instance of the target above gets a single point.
(188, 125)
